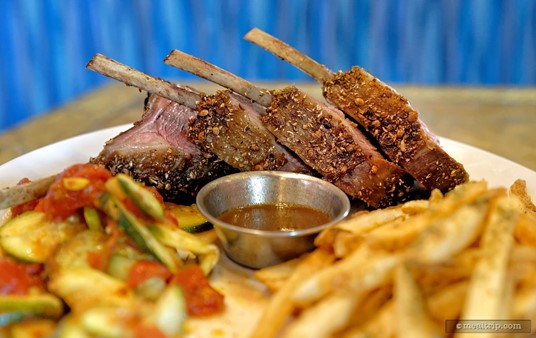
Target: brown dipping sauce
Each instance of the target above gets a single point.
(275, 217)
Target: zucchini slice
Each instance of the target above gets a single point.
(151, 288)
(84, 288)
(38, 305)
(108, 321)
(168, 315)
(142, 197)
(138, 231)
(73, 253)
(70, 327)
(208, 254)
(30, 237)
(91, 216)
(169, 312)
(7, 318)
(189, 217)
(32, 328)
(119, 266)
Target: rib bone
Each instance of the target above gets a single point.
(18, 194)
(316, 70)
(217, 75)
(118, 71)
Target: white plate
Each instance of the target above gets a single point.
(245, 297)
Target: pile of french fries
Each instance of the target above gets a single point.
(407, 270)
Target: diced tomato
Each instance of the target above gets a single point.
(145, 269)
(21, 208)
(170, 218)
(131, 206)
(98, 259)
(30, 205)
(144, 331)
(17, 278)
(155, 193)
(40, 205)
(201, 298)
(65, 196)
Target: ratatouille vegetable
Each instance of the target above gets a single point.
(102, 256)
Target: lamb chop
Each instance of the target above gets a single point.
(156, 150)
(227, 126)
(386, 115)
(319, 134)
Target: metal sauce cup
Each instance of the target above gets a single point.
(260, 248)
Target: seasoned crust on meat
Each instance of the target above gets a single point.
(391, 120)
(177, 176)
(156, 151)
(229, 126)
(331, 144)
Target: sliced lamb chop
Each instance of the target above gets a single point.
(227, 127)
(384, 113)
(157, 152)
(317, 133)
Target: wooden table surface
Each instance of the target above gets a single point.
(499, 120)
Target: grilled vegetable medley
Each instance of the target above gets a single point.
(103, 256)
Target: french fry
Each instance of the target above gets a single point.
(524, 300)
(366, 308)
(397, 235)
(275, 276)
(379, 326)
(345, 242)
(435, 196)
(371, 303)
(519, 189)
(447, 236)
(433, 277)
(460, 195)
(525, 231)
(412, 316)
(400, 231)
(357, 224)
(522, 264)
(523, 253)
(325, 318)
(364, 221)
(447, 303)
(405, 270)
(280, 307)
(508, 293)
(485, 296)
(415, 207)
(360, 272)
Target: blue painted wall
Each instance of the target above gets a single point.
(45, 44)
